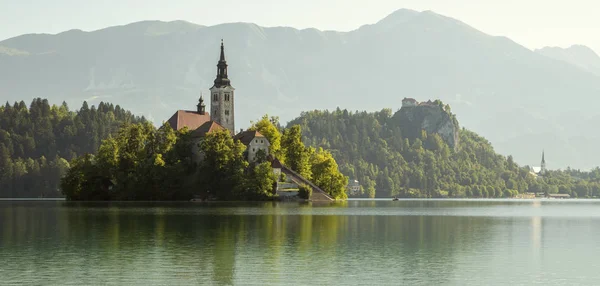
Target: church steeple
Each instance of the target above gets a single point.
(543, 166)
(201, 106)
(222, 97)
(222, 79)
(543, 159)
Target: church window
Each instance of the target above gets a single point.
(215, 97)
(253, 149)
(226, 112)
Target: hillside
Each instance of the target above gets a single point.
(511, 95)
(380, 150)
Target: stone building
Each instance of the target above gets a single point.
(255, 143)
(222, 107)
(221, 116)
(409, 102)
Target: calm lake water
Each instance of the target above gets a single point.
(413, 242)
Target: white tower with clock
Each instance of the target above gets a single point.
(222, 107)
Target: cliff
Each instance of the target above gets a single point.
(432, 117)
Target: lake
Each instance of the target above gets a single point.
(359, 242)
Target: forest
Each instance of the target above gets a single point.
(370, 148)
(40, 143)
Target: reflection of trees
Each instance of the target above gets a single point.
(222, 244)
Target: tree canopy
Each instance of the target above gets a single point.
(37, 142)
(370, 148)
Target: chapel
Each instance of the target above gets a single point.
(221, 116)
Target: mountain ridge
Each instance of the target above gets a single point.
(577, 55)
(283, 71)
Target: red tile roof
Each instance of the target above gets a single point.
(246, 136)
(191, 119)
(206, 128)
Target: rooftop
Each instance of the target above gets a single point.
(247, 136)
(206, 128)
(190, 119)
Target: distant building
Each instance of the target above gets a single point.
(543, 165)
(409, 102)
(541, 170)
(559, 196)
(353, 188)
(255, 142)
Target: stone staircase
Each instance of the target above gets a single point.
(317, 193)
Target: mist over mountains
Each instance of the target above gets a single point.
(577, 55)
(523, 101)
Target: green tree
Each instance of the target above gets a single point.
(297, 156)
(268, 127)
(326, 174)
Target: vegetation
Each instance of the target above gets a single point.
(371, 148)
(223, 174)
(132, 160)
(318, 166)
(304, 192)
(37, 142)
(145, 163)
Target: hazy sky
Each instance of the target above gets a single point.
(533, 23)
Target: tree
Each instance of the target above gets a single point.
(297, 156)
(221, 172)
(326, 174)
(261, 181)
(268, 127)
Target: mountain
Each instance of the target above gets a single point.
(577, 55)
(518, 99)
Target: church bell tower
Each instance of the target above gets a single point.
(543, 165)
(222, 96)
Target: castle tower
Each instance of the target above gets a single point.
(543, 165)
(222, 96)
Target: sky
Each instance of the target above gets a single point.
(532, 23)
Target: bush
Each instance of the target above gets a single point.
(304, 191)
(282, 177)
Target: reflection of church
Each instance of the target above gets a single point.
(221, 116)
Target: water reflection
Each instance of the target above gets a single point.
(368, 242)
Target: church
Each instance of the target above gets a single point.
(221, 116)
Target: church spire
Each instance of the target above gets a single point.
(543, 167)
(222, 59)
(543, 159)
(222, 79)
(201, 106)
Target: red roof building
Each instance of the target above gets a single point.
(247, 136)
(206, 128)
(190, 119)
